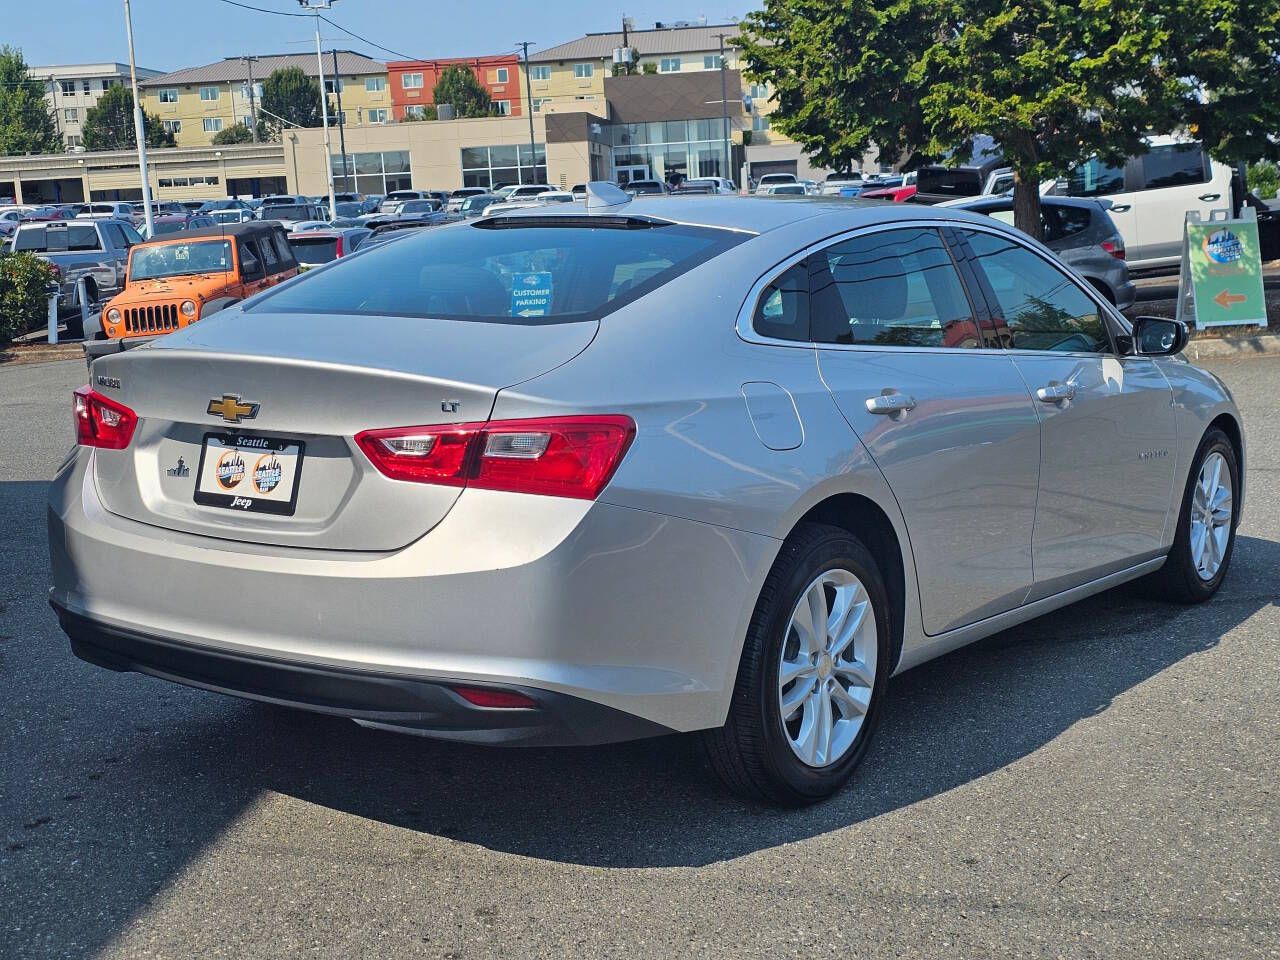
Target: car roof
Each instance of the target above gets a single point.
(257, 228)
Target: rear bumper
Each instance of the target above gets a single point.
(412, 704)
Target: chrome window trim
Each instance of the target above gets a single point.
(746, 313)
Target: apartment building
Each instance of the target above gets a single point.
(197, 103)
(71, 89)
(413, 81)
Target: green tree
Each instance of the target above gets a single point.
(26, 123)
(429, 112)
(650, 69)
(24, 278)
(291, 94)
(237, 133)
(1264, 179)
(1052, 81)
(108, 125)
(458, 85)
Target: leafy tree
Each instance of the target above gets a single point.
(458, 85)
(1264, 179)
(238, 133)
(1052, 81)
(428, 112)
(650, 69)
(26, 123)
(23, 301)
(291, 94)
(109, 124)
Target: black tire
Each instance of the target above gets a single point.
(1178, 581)
(75, 326)
(751, 752)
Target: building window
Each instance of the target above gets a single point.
(501, 75)
(111, 82)
(491, 167)
(166, 181)
(503, 107)
(68, 87)
(584, 96)
(173, 126)
(415, 111)
(584, 71)
(669, 65)
(759, 91)
(759, 124)
(208, 93)
(85, 86)
(375, 84)
(713, 62)
(329, 86)
(168, 94)
(71, 114)
(244, 91)
(538, 103)
(212, 124)
(376, 116)
(411, 81)
(75, 141)
(540, 73)
(372, 173)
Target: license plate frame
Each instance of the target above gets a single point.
(241, 498)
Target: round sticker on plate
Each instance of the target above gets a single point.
(266, 473)
(230, 469)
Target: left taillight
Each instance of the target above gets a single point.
(101, 422)
(553, 456)
(1115, 247)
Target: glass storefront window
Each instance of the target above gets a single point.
(496, 166)
(373, 173)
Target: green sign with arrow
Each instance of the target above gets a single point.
(1221, 279)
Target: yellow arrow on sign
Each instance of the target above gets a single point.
(1226, 298)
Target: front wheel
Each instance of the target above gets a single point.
(813, 673)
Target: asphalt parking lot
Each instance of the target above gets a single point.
(1101, 783)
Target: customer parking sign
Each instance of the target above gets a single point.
(531, 294)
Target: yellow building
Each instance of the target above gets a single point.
(197, 103)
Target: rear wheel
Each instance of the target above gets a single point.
(813, 672)
(1206, 533)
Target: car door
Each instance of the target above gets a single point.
(252, 274)
(1106, 421)
(1173, 178)
(945, 415)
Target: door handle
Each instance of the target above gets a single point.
(1207, 197)
(1120, 207)
(1056, 393)
(892, 404)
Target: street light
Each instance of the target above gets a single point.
(138, 131)
(314, 7)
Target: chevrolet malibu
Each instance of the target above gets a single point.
(580, 475)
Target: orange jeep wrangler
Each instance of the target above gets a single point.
(175, 281)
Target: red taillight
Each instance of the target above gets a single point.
(337, 250)
(1114, 247)
(101, 422)
(488, 697)
(555, 457)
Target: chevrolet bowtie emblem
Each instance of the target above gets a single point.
(231, 409)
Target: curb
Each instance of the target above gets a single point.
(42, 354)
(1215, 348)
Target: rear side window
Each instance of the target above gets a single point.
(1093, 178)
(526, 270)
(782, 311)
(250, 265)
(1173, 165)
(269, 255)
(890, 288)
(283, 250)
(1061, 222)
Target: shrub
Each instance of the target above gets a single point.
(24, 305)
(1264, 179)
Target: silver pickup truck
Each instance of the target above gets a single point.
(95, 249)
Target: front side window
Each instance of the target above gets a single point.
(782, 311)
(584, 71)
(1093, 178)
(179, 259)
(1038, 306)
(1172, 166)
(208, 93)
(895, 288)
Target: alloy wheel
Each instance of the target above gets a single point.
(1211, 516)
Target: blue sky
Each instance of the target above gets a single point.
(175, 33)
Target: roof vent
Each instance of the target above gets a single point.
(603, 196)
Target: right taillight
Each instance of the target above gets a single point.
(101, 422)
(552, 456)
(1114, 247)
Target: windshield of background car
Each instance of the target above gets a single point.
(948, 181)
(473, 204)
(180, 259)
(349, 209)
(527, 270)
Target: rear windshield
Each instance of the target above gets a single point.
(76, 236)
(949, 182)
(180, 259)
(285, 211)
(553, 269)
(313, 250)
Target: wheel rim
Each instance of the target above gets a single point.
(827, 667)
(1211, 516)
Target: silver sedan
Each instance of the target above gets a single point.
(602, 472)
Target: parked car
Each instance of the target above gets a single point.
(315, 248)
(836, 183)
(454, 204)
(392, 199)
(193, 206)
(786, 189)
(350, 209)
(371, 203)
(712, 551)
(1151, 194)
(226, 203)
(347, 197)
(393, 231)
(233, 216)
(898, 193)
(773, 179)
(983, 173)
(94, 249)
(284, 199)
(115, 210)
(414, 208)
(290, 215)
(694, 187)
(10, 217)
(1081, 233)
(475, 205)
(579, 190)
(716, 184)
(176, 224)
(644, 187)
(175, 281)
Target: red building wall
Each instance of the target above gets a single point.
(485, 69)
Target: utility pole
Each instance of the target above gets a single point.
(528, 94)
(138, 127)
(314, 7)
(253, 99)
(724, 105)
(342, 136)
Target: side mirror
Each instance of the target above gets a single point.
(1158, 336)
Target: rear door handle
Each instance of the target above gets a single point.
(1120, 207)
(1207, 197)
(1056, 393)
(892, 404)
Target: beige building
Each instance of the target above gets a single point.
(71, 89)
(197, 103)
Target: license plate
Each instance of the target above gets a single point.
(252, 474)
